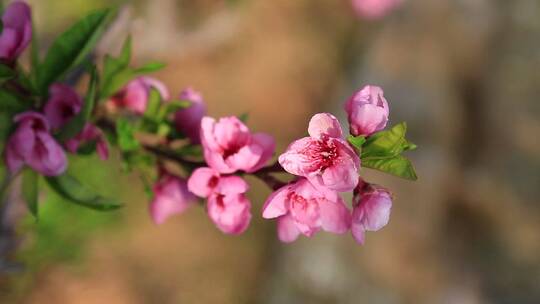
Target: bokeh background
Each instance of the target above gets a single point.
(465, 76)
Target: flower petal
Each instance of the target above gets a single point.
(200, 181)
(287, 230)
(324, 124)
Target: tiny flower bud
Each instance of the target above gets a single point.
(33, 145)
(188, 120)
(63, 104)
(371, 210)
(89, 134)
(367, 111)
(171, 196)
(134, 96)
(374, 9)
(17, 31)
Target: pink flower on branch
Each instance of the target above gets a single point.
(90, 134)
(17, 31)
(371, 210)
(374, 9)
(229, 146)
(188, 120)
(227, 204)
(367, 111)
(324, 157)
(33, 145)
(171, 196)
(304, 208)
(134, 96)
(63, 104)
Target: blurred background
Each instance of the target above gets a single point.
(462, 73)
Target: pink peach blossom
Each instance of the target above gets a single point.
(63, 104)
(33, 145)
(324, 157)
(89, 134)
(231, 213)
(229, 146)
(305, 208)
(17, 31)
(374, 9)
(367, 111)
(227, 204)
(134, 96)
(171, 196)
(188, 120)
(371, 210)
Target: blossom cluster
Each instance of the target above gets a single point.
(184, 154)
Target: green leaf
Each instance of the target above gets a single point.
(150, 67)
(387, 143)
(356, 141)
(6, 73)
(10, 102)
(71, 189)
(398, 166)
(77, 123)
(72, 47)
(112, 65)
(244, 117)
(125, 135)
(153, 105)
(30, 190)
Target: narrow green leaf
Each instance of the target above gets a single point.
(6, 73)
(30, 190)
(71, 189)
(77, 123)
(150, 67)
(356, 141)
(125, 135)
(112, 65)
(398, 166)
(153, 105)
(72, 47)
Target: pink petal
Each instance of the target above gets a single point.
(102, 149)
(231, 133)
(17, 31)
(367, 119)
(215, 160)
(48, 157)
(268, 146)
(158, 85)
(231, 185)
(230, 213)
(171, 196)
(276, 203)
(324, 124)
(358, 233)
(296, 159)
(202, 181)
(287, 230)
(335, 216)
(207, 134)
(246, 158)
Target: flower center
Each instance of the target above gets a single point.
(322, 153)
